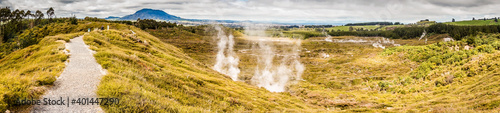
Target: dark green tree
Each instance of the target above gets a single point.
(453, 20)
(50, 13)
(73, 20)
(39, 16)
(28, 14)
(18, 16)
(5, 15)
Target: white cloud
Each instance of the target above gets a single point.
(276, 10)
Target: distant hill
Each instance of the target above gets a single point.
(162, 15)
(112, 18)
(372, 23)
(150, 14)
(475, 22)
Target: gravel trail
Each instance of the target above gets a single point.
(78, 80)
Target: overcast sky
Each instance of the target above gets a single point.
(329, 11)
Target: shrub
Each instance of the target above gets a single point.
(485, 48)
(440, 82)
(459, 74)
(356, 81)
(423, 70)
(496, 45)
(383, 85)
(436, 60)
(334, 85)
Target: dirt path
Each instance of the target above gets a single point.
(78, 80)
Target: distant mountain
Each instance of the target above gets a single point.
(150, 14)
(161, 15)
(112, 18)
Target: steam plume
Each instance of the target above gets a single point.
(267, 74)
(226, 60)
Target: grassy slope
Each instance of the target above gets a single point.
(152, 76)
(452, 80)
(474, 22)
(28, 72)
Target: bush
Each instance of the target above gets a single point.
(485, 48)
(459, 74)
(334, 85)
(356, 81)
(383, 85)
(436, 60)
(423, 70)
(496, 45)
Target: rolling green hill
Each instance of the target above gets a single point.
(474, 22)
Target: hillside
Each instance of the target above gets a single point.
(150, 14)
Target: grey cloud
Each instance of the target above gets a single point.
(176, 3)
(132, 7)
(68, 1)
(277, 10)
(97, 10)
(461, 3)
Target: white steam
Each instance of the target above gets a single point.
(226, 60)
(267, 74)
(423, 35)
(377, 42)
(328, 37)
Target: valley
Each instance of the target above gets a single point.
(249, 56)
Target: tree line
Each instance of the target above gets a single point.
(397, 33)
(22, 28)
(153, 24)
(455, 31)
(373, 23)
(140, 23)
(458, 32)
(13, 22)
